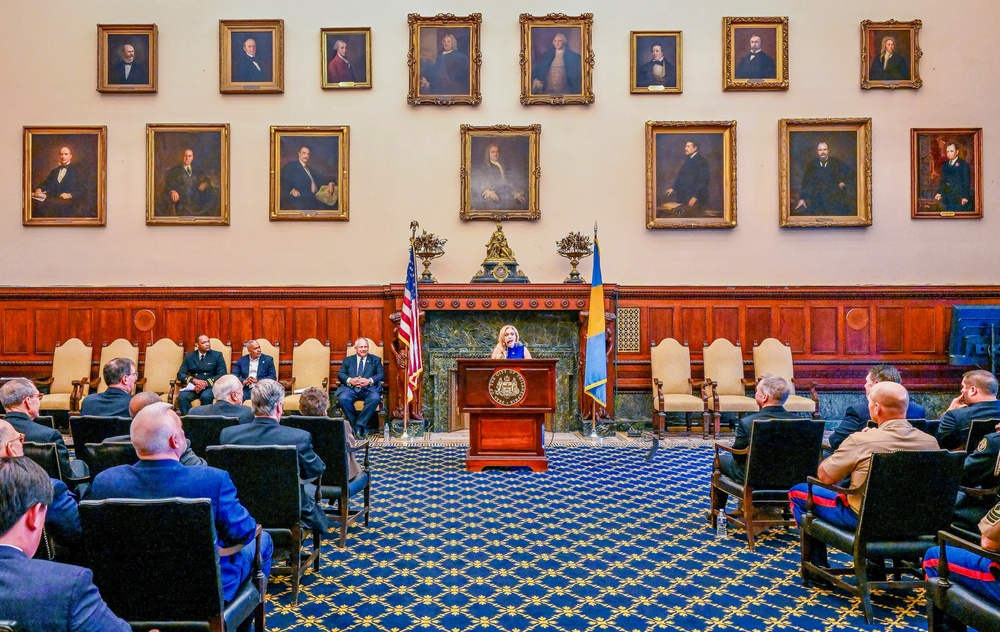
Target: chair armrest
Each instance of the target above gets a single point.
(977, 492)
(316, 479)
(706, 386)
(658, 404)
(725, 448)
(287, 384)
(326, 382)
(226, 551)
(76, 397)
(815, 482)
(810, 386)
(361, 445)
(257, 566)
(748, 381)
(43, 381)
(953, 540)
(175, 389)
(140, 384)
(95, 382)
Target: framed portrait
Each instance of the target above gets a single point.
(126, 58)
(556, 59)
(187, 174)
(690, 174)
(500, 172)
(444, 60)
(825, 172)
(890, 54)
(946, 173)
(655, 66)
(251, 56)
(755, 53)
(65, 176)
(310, 173)
(346, 58)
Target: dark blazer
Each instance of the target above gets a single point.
(573, 64)
(111, 403)
(956, 185)
(857, 417)
(954, 429)
(645, 76)
(116, 74)
(210, 369)
(52, 187)
(265, 368)
(245, 70)
(41, 434)
(373, 370)
(224, 409)
(44, 596)
(294, 176)
(742, 439)
(821, 188)
(692, 180)
(62, 520)
(896, 70)
(762, 66)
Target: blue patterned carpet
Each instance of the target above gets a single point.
(603, 541)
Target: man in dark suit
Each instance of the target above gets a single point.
(199, 371)
(977, 400)
(857, 417)
(38, 594)
(127, 71)
(189, 190)
(955, 189)
(657, 71)
(22, 401)
(691, 183)
(756, 64)
(824, 189)
(889, 66)
(300, 183)
(268, 398)
(120, 375)
(159, 441)
(228, 394)
(247, 66)
(253, 366)
(61, 193)
(771, 394)
(360, 378)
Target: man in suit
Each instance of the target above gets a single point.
(127, 71)
(857, 417)
(448, 73)
(496, 184)
(120, 375)
(657, 71)
(955, 189)
(61, 193)
(340, 70)
(558, 71)
(824, 189)
(300, 183)
(691, 183)
(889, 66)
(771, 393)
(189, 190)
(977, 400)
(360, 378)
(268, 405)
(248, 67)
(254, 366)
(228, 394)
(22, 401)
(41, 596)
(756, 64)
(199, 371)
(159, 441)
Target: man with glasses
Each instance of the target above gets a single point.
(120, 375)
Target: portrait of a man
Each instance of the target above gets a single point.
(189, 189)
(126, 58)
(656, 62)
(756, 63)
(252, 57)
(500, 175)
(309, 173)
(755, 53)
(891, 64)
(64, 178)
(188, 181)
(556, 68)
(890, 54)
(827, 182)
(444, 61)
(130, 60)
(346, 53)
(946, 173)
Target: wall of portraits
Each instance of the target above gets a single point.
(406, 160)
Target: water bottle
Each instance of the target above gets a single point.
(720, 525)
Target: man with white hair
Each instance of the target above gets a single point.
(360, 378)
(253, 366)
(159, 441)
(771, 393)
(228, 393)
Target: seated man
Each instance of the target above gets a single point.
(252, 367)
(967, 569)
(315, 402)
(360, 378)
(199, 370)
(140, 401)
(22, 401)
(120, 375)
(857, 417)
(268, 405)
(38, 594)
(980, 470)
(771, 393)
(977, 400)
(228, 394)
(159, 441)
(887, 402)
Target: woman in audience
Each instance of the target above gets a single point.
(509, 345)
(315, 402)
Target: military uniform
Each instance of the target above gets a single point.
(982, 469)
(967, 569)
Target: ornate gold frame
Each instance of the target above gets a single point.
(862, 129)
(152, 131)
(30, 180)
(729, 80)
(634, 49)
(533, 134)
(324, 42)
(103, 49)
(416, 94)
(342, 212)
(869, 53)
(672, 216)
(971, 140)
(277, 30)
(584, 22)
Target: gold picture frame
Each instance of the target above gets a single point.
(187, 174)
(310, 173)
(251, 56)
(690, 174)
(500, 172)
(892, 69)
(126, 58)
(827, 186)
(755, 53)
(64, 174)
(656, 62)
(346, 69)
(946, 173)
(540, 46)
(444, 59)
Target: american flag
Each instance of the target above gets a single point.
(409, 330)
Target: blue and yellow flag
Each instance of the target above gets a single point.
(595, 372)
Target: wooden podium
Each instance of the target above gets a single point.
(507, 402)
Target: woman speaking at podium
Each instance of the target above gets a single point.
(509, 345)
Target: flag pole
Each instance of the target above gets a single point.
(593, 402)
(406, 365)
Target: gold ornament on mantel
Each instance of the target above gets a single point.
(575, 246)
(427, 247)
(500, 266)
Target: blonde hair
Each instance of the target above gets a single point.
(500, 351)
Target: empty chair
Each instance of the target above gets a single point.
(203, 431)
(225, 348)
(724, 371)
(108, 454)
(70, 379)
(773, 358)
(310, 367)
(159, 373)
(670, 365)
(96, 429)
(979, 429)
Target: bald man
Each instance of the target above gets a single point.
(159, 441)
(887, 402)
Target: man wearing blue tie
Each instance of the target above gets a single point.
(360, 378)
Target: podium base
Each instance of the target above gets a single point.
(478, 463)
